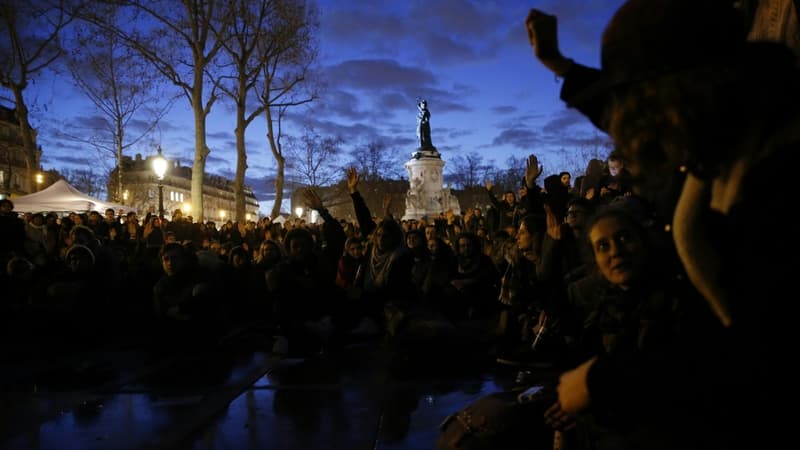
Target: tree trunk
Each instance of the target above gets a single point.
(241, 165)
(200, 153)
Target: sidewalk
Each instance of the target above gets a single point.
(355, 398)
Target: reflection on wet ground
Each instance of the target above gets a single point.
(354, 398)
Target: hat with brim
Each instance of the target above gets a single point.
(647, 39)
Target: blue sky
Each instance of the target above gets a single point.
(470, 59)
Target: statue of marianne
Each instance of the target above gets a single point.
(424, 125)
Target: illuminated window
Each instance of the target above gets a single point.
(2, 176)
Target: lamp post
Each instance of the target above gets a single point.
(39, 181)
(160, 168)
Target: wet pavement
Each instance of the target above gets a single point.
(358, 397)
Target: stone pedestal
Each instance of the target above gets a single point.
(426, 196)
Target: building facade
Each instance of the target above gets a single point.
(140, 190)
(13, 169)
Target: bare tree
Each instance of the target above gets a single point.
(180, 43)
(375, 161)
(86, 181)
(267, 38)
(510, 178)
(30, 44)
(595, 146)
(313, 158)
(469, 170)
(122, 87)
(287, 54)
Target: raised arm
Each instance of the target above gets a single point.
(494, 201)
(363, 214)
(543, 36)
(534, 202)
(332, 231)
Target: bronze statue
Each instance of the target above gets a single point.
(424, 125)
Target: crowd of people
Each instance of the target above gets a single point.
(493, 281)
(657, 285)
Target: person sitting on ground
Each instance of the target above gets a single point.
(308, 304)
(186, 303)
(647, 333)
(387, 281)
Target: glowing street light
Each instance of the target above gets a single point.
(39, 181)
(299, 211)
(160, 169)
(222, 214)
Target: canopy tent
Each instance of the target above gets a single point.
(62, 197)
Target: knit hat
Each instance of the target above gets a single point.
(646, 39)
(81, 249)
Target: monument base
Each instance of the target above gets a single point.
(428, 152)
(426, 196)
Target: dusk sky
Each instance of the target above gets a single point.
(470, 60)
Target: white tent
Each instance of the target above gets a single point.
(62, 197)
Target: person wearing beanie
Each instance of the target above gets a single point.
(681, 90)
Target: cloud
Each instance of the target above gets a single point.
(221, 135)
(71, 160)
(504, 109)
(563, 120)
(378, 75)
(341, 103)
(444, 48)
(522, 138)
(337, 25)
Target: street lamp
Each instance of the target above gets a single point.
(39, 181)
(160, 168)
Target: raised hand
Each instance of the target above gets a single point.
(553, 225)
(352, 179)
(543, 36)
(312, 199)
(532, 170)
